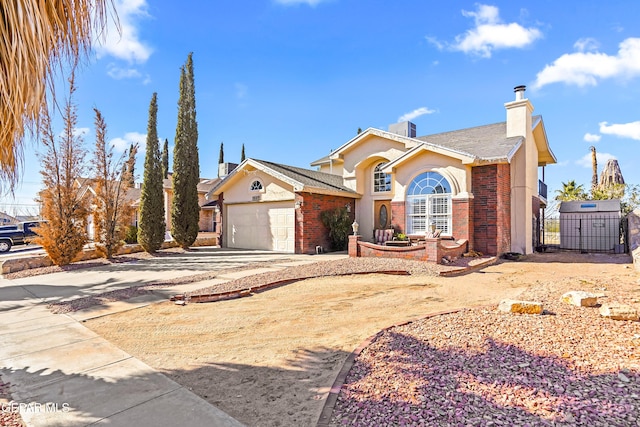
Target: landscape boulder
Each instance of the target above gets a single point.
(616, 311)
(580, 299)
(520, 307)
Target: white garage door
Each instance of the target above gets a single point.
(268, 226)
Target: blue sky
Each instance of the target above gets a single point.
(293, 79)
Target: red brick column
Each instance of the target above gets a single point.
(354, 249)
(398, 220)
(491, 186)
(462, 219)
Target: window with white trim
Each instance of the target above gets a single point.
(428, 202)
(381, 180)
(256, 186)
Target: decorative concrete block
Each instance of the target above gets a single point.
(616, 311)
(520, 307)
(580, 299)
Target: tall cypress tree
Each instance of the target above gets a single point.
(165, 159)
(221, 155)
(151, 225)
(242, 156)
(185, 209)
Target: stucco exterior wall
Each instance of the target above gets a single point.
(524, 175)
(272, 189)
(453, 170)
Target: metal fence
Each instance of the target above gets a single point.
(593, 233)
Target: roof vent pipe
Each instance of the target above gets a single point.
(519, 90)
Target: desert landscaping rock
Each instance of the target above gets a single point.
(616, 311)
(271, 359)
(520, 307)
(580, 299)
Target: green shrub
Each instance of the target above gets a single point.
(131, 235)
(338, 222)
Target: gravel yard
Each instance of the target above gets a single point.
(569, 366)
(270, 359)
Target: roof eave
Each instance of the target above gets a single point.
(549, 158)
(463, 157)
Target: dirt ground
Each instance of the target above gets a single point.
(270, 359)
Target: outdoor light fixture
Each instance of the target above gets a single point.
(355, 227)
(432, 226)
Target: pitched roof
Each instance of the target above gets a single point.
(300, 179)
(308, 177)
(204, 185)
(486, 142)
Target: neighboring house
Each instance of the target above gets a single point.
(480, 184)
(87, 188)
(6, 219)
(209, 212)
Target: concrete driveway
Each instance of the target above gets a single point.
(63, 374)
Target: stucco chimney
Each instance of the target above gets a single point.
(519, 90)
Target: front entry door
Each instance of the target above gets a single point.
(382, 214)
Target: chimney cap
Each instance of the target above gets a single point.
(520, 88)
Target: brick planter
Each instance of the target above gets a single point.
(433, 250)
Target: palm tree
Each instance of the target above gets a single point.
(36, 37)
(571, 191)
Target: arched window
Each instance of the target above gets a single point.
(256, 186)
(381, 180)
(428, 204)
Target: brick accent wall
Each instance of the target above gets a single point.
(309, 229)
(398, 218)
(462, 219)
(491, 187)
(433, 250)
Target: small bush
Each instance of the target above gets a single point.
(131, 236)
(338, 222)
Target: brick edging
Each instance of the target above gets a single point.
(465, 270)
(245, 292)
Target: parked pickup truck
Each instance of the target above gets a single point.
(22, 234)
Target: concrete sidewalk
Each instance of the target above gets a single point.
(63, 374)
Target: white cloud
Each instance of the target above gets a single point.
(490, 34)
(586, 68)
(625, 130)
(589, 137)
(241, 90)
(122, 144)
(77, 132)
(297, 2)
(125, 44)
(415, 113)
(587, 44)
(122, 73)
(80, 131)
(602, 158)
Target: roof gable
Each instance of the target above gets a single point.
(299, 178)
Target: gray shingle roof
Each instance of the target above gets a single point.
(308, 177)
(486, 142)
